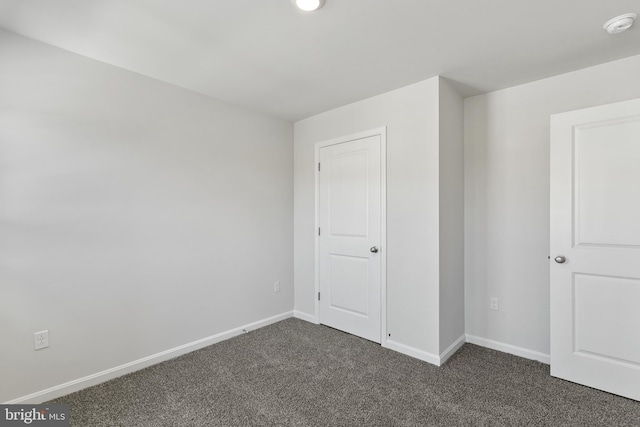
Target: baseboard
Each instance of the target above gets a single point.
(511, 349)
(450, 351)
(136, 365)
(304, 316)
(413, 352)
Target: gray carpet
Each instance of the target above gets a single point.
(294, 373)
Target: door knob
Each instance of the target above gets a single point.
(560, 259)
(374, 249)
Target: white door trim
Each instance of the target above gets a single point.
(382, 132)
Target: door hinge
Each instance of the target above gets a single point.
(318, 231)
(318, 167)
(318, 296)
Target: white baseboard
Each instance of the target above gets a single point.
(511, 349)
(450, 351)
(136, 365)
(434, 359)
(306, 317)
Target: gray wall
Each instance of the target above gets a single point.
(451, 215)
(134, 216)
(507, 198)
(411, 117)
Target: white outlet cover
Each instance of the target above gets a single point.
(41, 340)
(276, 286)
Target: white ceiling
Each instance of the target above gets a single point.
(265, 55)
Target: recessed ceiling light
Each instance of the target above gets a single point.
(308, 5)
(620, 23)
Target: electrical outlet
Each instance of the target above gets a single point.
(41, 340)
(276, 286)
(494, 304)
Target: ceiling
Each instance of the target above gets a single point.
(267, 56)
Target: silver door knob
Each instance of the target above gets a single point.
(374, 249)
(560, 259)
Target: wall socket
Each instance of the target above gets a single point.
(41, 340)
(494, 304)
(276, 286)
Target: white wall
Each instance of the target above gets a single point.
(134, 216)
(451, 215)
(507, 197)
(411, 117)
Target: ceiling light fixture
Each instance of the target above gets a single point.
(620, 23)
(308, 5)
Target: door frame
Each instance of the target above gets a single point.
(382, 133)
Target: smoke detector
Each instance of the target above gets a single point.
(620, 23)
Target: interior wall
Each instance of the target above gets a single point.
(411, 117)
(451, 215)
(507, 198)
(135, 216)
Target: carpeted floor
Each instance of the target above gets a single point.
(294, 373)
